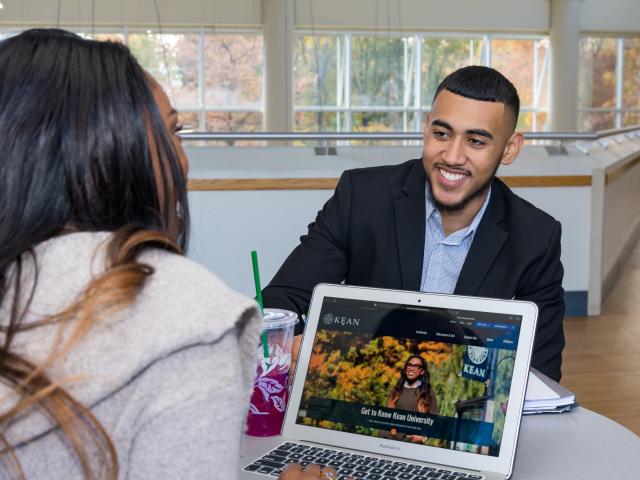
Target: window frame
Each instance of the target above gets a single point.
(619, 110)
(201, 109)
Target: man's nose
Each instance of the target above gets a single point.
(454, 154)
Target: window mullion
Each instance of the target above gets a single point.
(201, 82)
(407, 67)
(340, 83)
(487, 51)
(417, 97)
(347, 76)
(619, 80)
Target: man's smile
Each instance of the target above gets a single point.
(451, 178)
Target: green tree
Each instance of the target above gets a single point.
(597, 80)
(442, 56)
(315, 74)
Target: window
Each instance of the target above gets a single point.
(386, 82)
(525, 62)
(597, 83)
(318, 87)
(442, 56)
(609, 83)
(213, 78)
(233, 72)
(172, 59)
(631, 82)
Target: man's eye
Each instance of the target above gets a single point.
(440, 134)
(476, 143)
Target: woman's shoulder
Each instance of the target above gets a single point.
(180, 287)
(187, 303)
(180, 305)
(179, 295)
(184, 280)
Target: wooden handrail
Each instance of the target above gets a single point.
(232, 184)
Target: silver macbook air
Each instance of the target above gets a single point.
(404, 385)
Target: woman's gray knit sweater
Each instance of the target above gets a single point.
(168, 377)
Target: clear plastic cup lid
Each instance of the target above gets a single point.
(276, 318)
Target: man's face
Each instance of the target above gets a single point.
(465, 141)
(413, 369)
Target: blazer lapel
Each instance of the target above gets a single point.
(410, 226)
(487, 243)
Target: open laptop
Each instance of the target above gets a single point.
(359, 342)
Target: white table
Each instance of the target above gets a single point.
(576, 445)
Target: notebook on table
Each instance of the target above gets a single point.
(545, 395)
(357, 406)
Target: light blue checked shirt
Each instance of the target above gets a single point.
(444, 256)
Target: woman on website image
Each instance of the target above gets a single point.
(413, 392)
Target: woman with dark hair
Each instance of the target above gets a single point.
(119, 357)
(413, 392)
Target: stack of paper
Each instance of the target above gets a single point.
(546, 396)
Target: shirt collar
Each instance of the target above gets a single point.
(433, 214)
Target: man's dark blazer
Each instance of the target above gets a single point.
(372, 233)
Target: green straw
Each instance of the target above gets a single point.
(256, 279)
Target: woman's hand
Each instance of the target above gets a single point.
(294, 471)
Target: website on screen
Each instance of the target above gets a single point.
(430, 376)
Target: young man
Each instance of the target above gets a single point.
(442, 223)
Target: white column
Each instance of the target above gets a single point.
(565, 37)
(277, 16)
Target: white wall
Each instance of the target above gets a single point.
(622, 216)
(227, 225)
(615, 213)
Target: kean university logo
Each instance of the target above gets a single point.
(328, 318)
(476, 363)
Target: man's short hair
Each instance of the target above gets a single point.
(485, 84)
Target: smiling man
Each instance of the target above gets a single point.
(443, 223)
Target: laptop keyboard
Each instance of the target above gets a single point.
(350, 465)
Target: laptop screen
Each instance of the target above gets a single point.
(431, 376)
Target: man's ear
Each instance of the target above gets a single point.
(512, 149)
